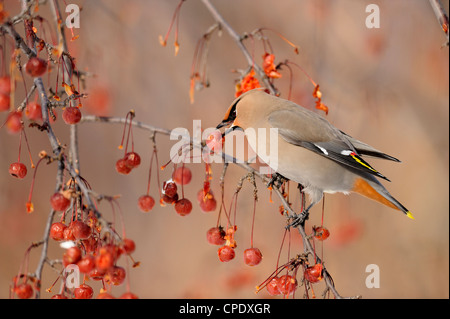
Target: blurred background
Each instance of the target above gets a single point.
(387, 87)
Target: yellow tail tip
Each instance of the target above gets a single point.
(409, 215)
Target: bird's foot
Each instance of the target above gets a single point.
(277, 180)
(299, 219)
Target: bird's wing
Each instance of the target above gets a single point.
(365, 149)
(301, 128)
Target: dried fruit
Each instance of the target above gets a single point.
(252, 256)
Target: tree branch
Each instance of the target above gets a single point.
(441, 17)
(238, 39)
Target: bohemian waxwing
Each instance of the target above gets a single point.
(311, 151)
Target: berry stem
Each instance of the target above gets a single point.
(29, 203)
(253, 223)
(28, 146)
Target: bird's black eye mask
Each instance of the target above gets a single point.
(229, 118)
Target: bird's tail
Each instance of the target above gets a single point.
(374, 190)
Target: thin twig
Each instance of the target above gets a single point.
(441, 17)
(238, 39)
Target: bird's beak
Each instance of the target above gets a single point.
(229, 129)
(224, 123)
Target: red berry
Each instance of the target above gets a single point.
(321, 233)
(314, 274)
(71, 115)
(105, 295)
(287, 284)
(208, 205)
(83, 292)
(122, 167)
(72, 256)
(129, 295)
(57, 231)
(252, 256)
(33, 111)
(226, 253)
(215, 141)
(59, 202)
(59, 296)
(115, 275)
(132, 159)
(80, 230)
(183, 206)
(18, 170)
(14, 122)
(86, 264)
(5, 85)
(146, 203)
(169, 189)
(68, 235)
(216, 236)
(182, 175)
(36, 66)
(24, 291)
(105, 259)
(128, 245)
(4, 102)
(97, 274)
(272, 287)
(170, 200)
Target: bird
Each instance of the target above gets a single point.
(311, 151)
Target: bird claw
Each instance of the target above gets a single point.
(299, 219)
(277, 180)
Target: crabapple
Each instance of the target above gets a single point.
(105, 295)
(128, 245)
(252, 256)
(216, 236)
(287, 284)
(122, 167)
(24, 291)
(72, 256)
(132, 159)
(170, 200)
(129, 295)
(57, 231)
(86, 264)
(226, 253)
(314, 274)
(321, 233)
(59, 202)
(83, 292)
(272, 286)
(183, 206)
(33, 111)
(4, 102)
(146, 203)
(68, 235)
(115, 275)
(105, 259)
(5, 85)
(14, 122)
(71, 115)
(170, 188)
(36, 66)
(18, 170)
(182, 175)
(80, 230)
